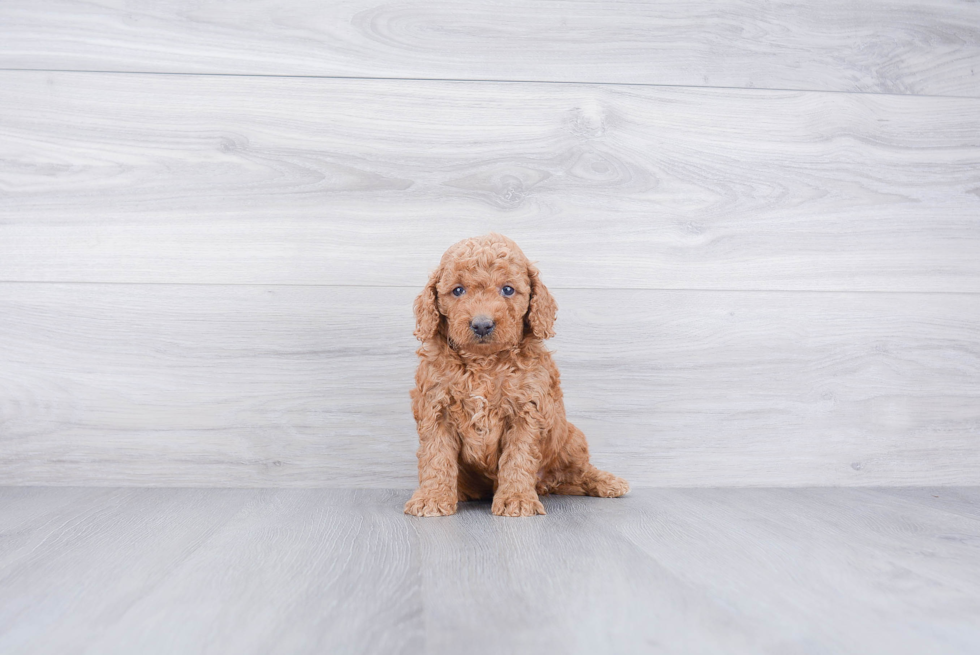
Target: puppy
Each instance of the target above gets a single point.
(487, 399)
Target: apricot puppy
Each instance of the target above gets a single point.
(487, 399)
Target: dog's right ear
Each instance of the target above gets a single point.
(427, 316)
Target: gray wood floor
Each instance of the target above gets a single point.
(87, 570)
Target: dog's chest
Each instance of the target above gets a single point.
(482, 413)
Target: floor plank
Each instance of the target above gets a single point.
(882, 46)
(157, 178)
(193, 385)
(658, 571)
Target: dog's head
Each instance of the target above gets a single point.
(484, 297)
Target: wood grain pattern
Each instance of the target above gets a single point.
(193, 571)
(786, 557)
(888, 46)
(148, 178)
(660, 570)
(308, 386)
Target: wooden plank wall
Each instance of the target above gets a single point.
(761, 222)
(884, 46)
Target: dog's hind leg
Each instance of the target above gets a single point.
(580, 477)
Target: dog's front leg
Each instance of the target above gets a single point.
(517, 472)
(438, 471)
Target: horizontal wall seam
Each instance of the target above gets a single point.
(553, 287)
(485, 81)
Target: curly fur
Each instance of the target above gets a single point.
(489, 411)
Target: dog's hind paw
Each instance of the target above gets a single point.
(607, 485)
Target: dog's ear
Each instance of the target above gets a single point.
(427, 316)
(540, 319)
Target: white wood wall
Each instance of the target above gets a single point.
(761, 222)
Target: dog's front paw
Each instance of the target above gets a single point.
(517, 505)
(430, 503)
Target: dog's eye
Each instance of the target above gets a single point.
(507, 291)
(458, 291)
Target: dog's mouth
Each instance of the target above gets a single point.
(474, 341)
(481, 344)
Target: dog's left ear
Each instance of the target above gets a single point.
(427, 316)
(540, 319)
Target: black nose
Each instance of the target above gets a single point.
(481, 326)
